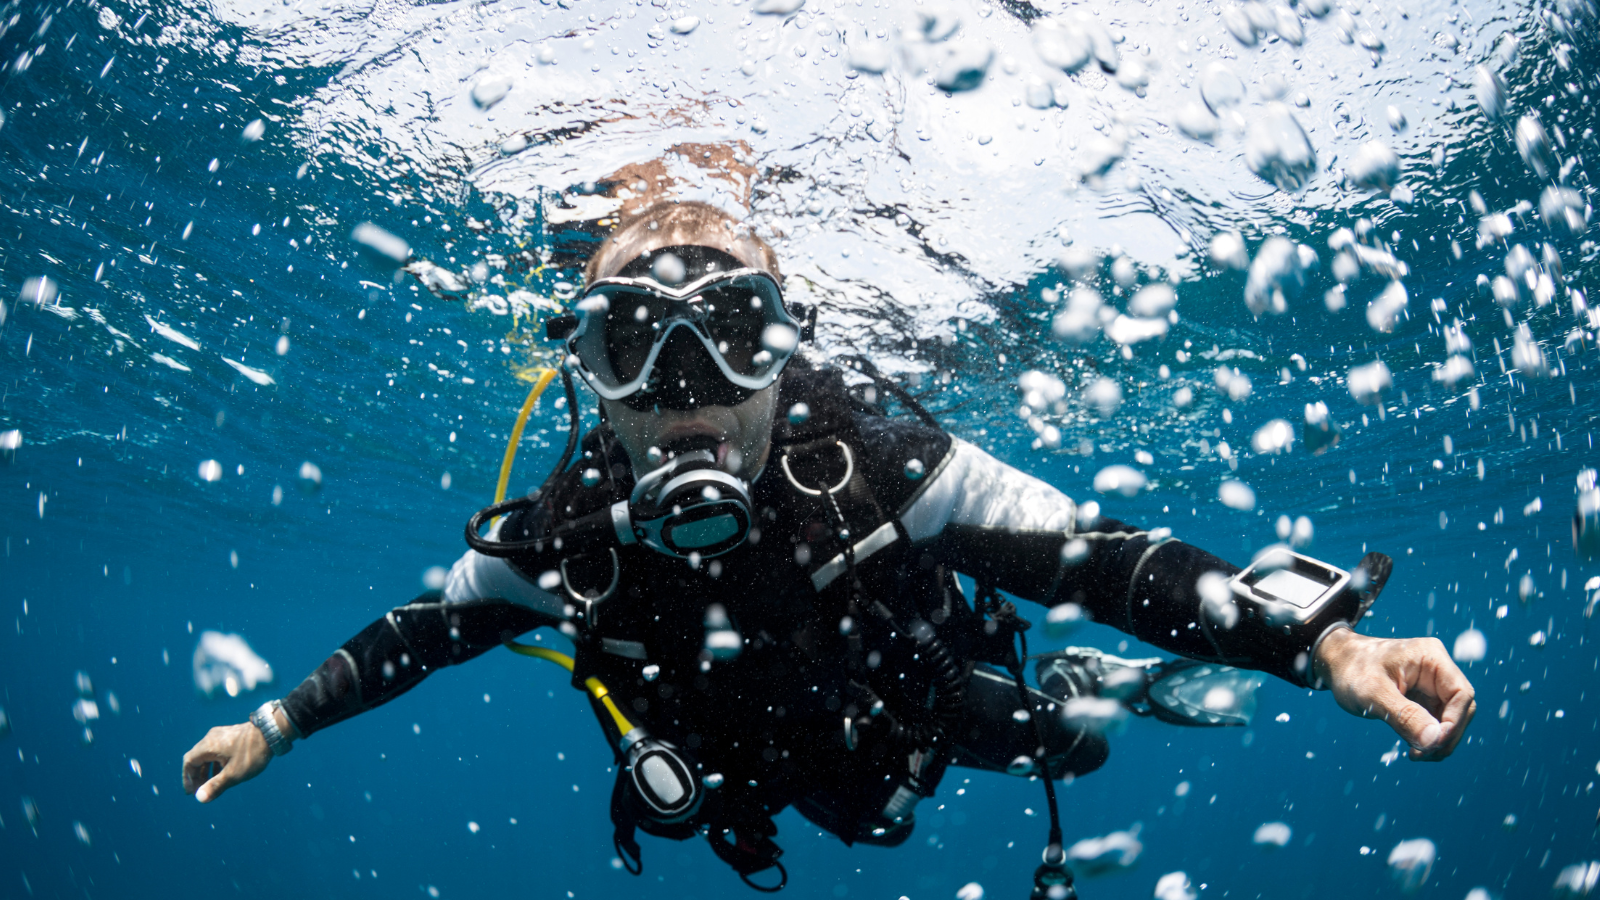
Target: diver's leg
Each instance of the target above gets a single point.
(1178, 691)
(993, 737)
(1087, 672)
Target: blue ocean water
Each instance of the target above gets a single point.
(188, 321)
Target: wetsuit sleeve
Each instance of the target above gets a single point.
(1019, 534)
(394, 654)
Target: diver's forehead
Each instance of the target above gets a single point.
(730, 248)
(676, 265)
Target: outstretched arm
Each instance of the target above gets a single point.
(1021, 535)
(383, 661)
(1025, 537)
(394, 654)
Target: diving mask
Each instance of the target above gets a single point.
(712, 341)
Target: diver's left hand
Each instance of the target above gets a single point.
(1411, 683)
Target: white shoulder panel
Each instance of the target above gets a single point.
(974, 488)
(479, 577)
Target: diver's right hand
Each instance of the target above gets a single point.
(226, 756)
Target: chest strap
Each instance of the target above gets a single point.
(881, 537)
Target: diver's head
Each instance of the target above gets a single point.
(684, 335)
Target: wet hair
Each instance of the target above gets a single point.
(679, 224)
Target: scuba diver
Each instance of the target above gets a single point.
(757, 569)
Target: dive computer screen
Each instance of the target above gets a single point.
(1289, 578)
(1291, 587)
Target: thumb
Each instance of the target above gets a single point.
(231, 774)
(1415, 725)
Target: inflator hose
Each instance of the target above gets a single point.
(539, 384)
(948, 682)
(475, 525)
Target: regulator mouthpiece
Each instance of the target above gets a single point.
(688, 507)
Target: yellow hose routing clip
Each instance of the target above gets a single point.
(599, 692)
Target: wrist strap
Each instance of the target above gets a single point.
(267, 724)
(1313, 681)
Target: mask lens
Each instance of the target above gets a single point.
(620, 326)
(746, 321)
(734, 321)
(631, 327)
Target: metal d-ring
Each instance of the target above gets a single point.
(616, 576)
(849, 470)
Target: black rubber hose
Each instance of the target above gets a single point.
(576, 537)
(572, 430)
(1054, 857)
(949, 689)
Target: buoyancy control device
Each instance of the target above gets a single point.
(688, 509)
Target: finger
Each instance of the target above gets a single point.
(1456, 730)
(1442, 678)
(197, 767)
(1415, 725)
(219, 783)
(206, 757)
(1452, 685)
(1433, 752)
(199, 773)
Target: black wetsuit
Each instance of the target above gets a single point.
(919, 507)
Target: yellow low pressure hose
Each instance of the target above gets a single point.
(555, 656)
(545, 377)
(597, 690)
